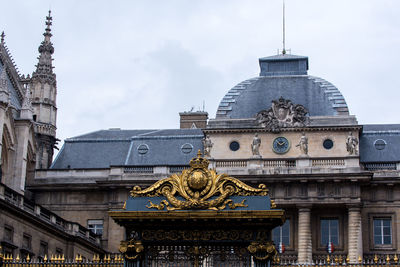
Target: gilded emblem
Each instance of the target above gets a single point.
(198, 188)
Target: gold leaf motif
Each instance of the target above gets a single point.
(200, 188)
(262, 251)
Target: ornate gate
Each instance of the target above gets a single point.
(198, 218)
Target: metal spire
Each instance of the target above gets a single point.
(283, 27)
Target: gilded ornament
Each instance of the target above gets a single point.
(131, 249)
(262, 251)
(273, 204)
(200, 188)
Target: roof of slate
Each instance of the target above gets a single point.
(246, 99)
(284, 76)
(14, 96)
(389, 133)
(105, 148)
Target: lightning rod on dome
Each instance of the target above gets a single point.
(283, 27)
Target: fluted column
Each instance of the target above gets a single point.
(304, 238)
(355, 234)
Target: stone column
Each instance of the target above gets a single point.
(355, 234)
(304, 236)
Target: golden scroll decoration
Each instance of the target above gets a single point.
(131, 249)
(262, 251)
(200, 188)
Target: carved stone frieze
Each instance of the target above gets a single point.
(283, 113)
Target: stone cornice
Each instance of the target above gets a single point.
(291, 129)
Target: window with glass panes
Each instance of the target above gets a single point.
(329, 231)
(96, 226)
(382, 231)
(43, 249)
(282, 234)
(26, 241)
(8, 233)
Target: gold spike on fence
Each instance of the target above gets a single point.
(117, 260)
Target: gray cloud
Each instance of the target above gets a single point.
(136, 64)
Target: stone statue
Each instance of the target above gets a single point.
(303, 144)
(207, 144)
(255, 145)
(352, 144)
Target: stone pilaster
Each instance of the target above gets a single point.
(355, 234)
(22, 131)
(304, 236)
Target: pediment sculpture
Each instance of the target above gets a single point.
(198, 188)
(283, 113)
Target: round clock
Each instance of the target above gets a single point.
(280, 145)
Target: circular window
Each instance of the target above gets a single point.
(234, 146)
(328, 144)
(380, 144)
(143, 149)
(187, 148)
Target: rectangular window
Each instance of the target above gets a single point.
(382, 231)
(282, 234)
(329, 231)
(43, 249)
(26, 241)
(96, 226)
(8, 233)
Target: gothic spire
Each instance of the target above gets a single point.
(2, 37)
(44, 68)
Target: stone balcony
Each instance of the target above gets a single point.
(19, 202)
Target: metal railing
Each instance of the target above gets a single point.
(369, 260)
(117, 260)
(380, 166)
(60, 261)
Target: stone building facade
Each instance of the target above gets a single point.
(336, 179)
(27, 130)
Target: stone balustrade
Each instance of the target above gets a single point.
(230, 166)
(45, 215)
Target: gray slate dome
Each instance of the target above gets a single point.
(282, 76)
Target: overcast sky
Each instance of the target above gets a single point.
(137, 64)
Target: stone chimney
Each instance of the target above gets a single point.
(193, 119)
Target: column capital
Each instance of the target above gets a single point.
(304, 207)
(354, 207)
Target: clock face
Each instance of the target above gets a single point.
(280, 145)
